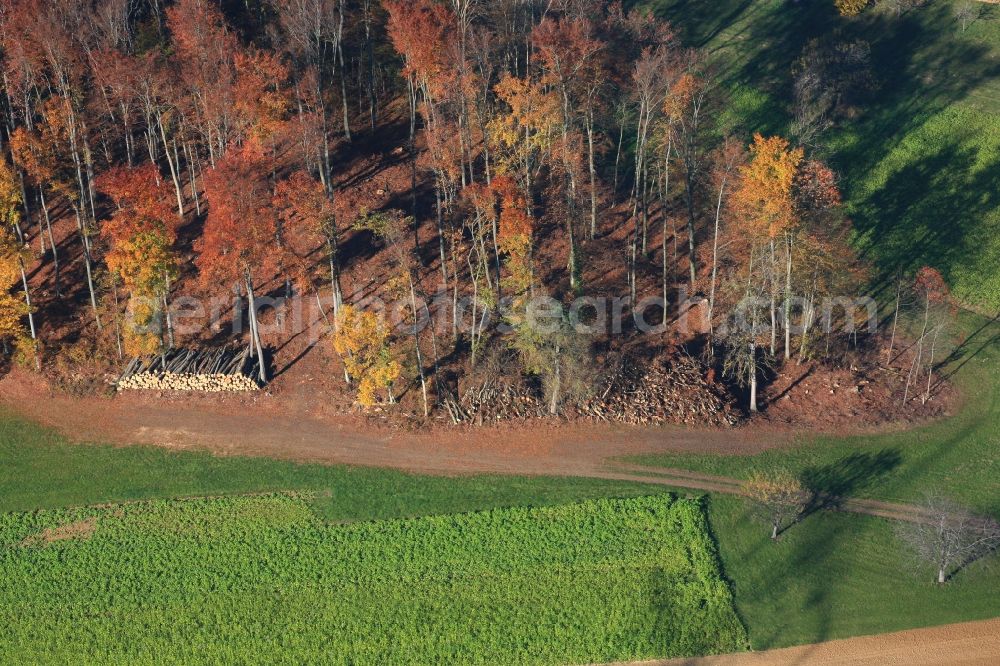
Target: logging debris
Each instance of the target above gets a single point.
(634, 392)
(671, 391)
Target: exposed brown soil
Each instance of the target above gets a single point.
(311, 429)
(80, 529)
(812, 395)
(308, 430)
(966, 644)
(374, 173)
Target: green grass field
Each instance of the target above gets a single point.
(263, 580)
(919, 155)
(41, 471)
(834, 575)
(837, 575)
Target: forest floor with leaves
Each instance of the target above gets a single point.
(861, 392)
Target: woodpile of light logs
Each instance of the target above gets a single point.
(209, 371)
(671, 392)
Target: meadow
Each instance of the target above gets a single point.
(263, 580)
(831, 576)
(39, 469)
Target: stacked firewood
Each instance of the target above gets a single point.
(671, 392)
(211, 371)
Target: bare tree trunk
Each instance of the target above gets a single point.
(416, 344)
(413, 161)
(895, 319)
(593, 174)
(52, 242)
(31, 316)
(173, 167)
(692, 259)
(930, 364)
(774, 305)
(343, 87)
(255, 330)
(557, 385)
(193, 175)
(715, 262)
(87, 262)
(118, 326)
(788, 298)
(807, 322)
(441, 234)
(618, 156)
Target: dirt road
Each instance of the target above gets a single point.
(306, 431)
(267, 427)
(260, 426)
(966, 644)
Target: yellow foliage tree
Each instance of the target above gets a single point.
(362, 341)
(141, 233)
(779, 496)
(15, 257)
(763, 199)
(12, 308)
(527, 130)
(850, 7)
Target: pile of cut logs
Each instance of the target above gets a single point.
(672, 392)
(495, 400)
(211, 371)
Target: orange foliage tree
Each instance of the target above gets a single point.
(567, 54)
(240, 241)
(141, 234)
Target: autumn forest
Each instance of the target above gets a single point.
(462, 159)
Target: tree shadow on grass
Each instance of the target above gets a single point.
(829, 485)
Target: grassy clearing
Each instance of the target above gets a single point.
(261, 579)
(838, 575)
(920, 157)
(957, 456)
(40, 470)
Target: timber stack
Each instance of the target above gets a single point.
(211, 371)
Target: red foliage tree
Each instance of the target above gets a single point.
(240, 241)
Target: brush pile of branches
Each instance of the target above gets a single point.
(495, 400)
(211, 371)
(666, 392)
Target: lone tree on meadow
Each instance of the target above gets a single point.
(949, 536)
(779, 497)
